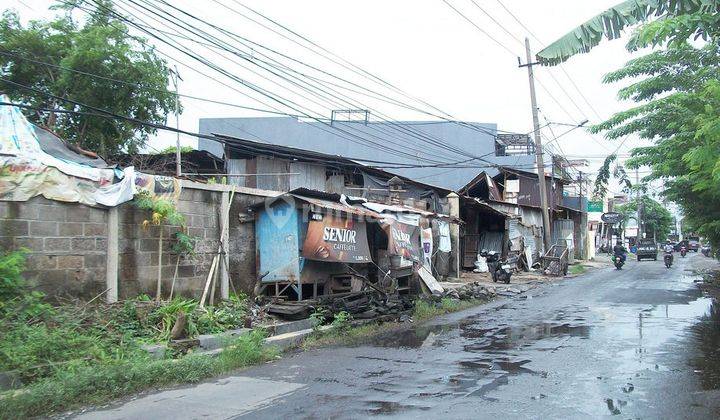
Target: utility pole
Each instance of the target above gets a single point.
(178, 155)
(580, 181)
(538, 147)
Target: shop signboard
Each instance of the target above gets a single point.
(612, 217)
(595, 206)
(336, 239)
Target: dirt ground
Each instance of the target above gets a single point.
(521, 277)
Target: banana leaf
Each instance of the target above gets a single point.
(612, 22)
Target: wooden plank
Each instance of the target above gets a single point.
(430, 281)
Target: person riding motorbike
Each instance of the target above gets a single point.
(669, 249)
(620, 251)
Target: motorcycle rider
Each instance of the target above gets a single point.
(669, 249)
(620, 251)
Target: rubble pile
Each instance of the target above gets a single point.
(366, 304)
(470, 291)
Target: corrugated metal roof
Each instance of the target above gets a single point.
(473, 138)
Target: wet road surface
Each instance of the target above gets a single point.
(643, 342)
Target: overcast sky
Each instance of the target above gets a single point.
(429, 51)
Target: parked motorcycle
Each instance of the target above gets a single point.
(705, 250)
(499, 270)
(683, 251)
(668, 258)
(618, 262)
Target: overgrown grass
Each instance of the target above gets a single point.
(101, 383)
(349, 336)
(577, 269)
(81, 353)
(425, 309)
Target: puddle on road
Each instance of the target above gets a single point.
(390, 407)
(422, 336)
(706, 336)
(499, 349)
(517, 337)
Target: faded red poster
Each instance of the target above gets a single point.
(337, 240)
(403, 239)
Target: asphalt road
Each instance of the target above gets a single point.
(643, 342)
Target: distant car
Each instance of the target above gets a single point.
(693, 243)
(647, 248)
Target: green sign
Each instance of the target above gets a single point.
(595, 206)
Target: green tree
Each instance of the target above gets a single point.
(48, 56)
(657, 220)
(677, 91)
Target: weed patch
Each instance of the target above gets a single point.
(80, 353)
(352, 335)
(426, 309)
(101, 383)
(577, 269)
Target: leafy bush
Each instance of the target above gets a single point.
(341, 322)
(12, 264)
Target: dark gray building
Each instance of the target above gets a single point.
(414, 143)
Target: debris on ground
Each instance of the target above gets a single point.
(290, 310)
(469, 291)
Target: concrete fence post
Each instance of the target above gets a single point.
(111, 266)
(225, 240)
(456, 259)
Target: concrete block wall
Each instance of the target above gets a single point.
(66, 242)
(67, 245)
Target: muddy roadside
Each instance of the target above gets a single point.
(469, 291)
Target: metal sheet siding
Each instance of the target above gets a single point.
(237, 166)
(563, 233)
(311, 176)
(277, 232)
(273, 182)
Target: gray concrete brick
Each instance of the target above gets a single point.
(55, 212)
(83, 244)
(101, 244)
(70, 261)
(38, 278)
(41, 262)
(197, 232)
(148, 244)
(33, 244)
(41, 228)
(81, 213)
(70, 229)
(57, 244)
(14, 228)
(95, 260)
(25, 211)
(94, 229)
